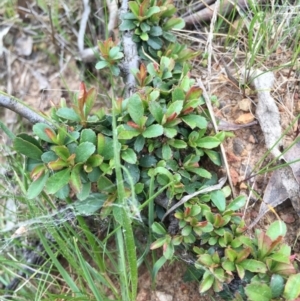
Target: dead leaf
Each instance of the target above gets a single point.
(231, 157)
(288, 218)
(267, 112)
(3, 32)
(24, 45)
(227, 126)
(291, 155)
(245, 104)
(234, 176)
(245, 118)
(283, 184)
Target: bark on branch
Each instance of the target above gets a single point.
(21, 109)
(131, 58)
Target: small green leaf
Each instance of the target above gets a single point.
(178, 94)
(85, 191)
(200, 172)
(106, 185)
(144, 36)
(36, 187)
(152, 10)
(132, 174)
(228, 266)
(144, 27)
(114, 52)
(177, 143)
(40, 130)
(100, 143)
(68, 113)
(155, 31)
(134, 7)
(129, 156)
(27, 148)
(157, 266)
(174, 108)
(276, 285)
(84, 151)
(115, 70)
(154, 95)
(158, 243)
(135, 108)
(185, 83)
(292, 288)
(75, 181)
(169, 251)
(147, 161)
(237, 203)
(166, 152)
(88, 135)
(57, 181)
(139, 143)
(277, 228)
(174, 23)
(208, 142)
(213, 156)
(61, 151)
(129, 16)
(49, 156)
(170, 132)
(102, 64)
(186, 230)
(193, 121)
(154, 130)
(207, 282)
(155, 42)
(218, 198)
(127, 134)
(95, 160)
(205, 259)
(253, 265)
(258, 292)
(158, 229)
(30, 139)
(89, 101)
(58, 164)
(156, 111)
(90, 205)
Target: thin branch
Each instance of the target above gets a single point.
(131, 58)
(206, 14)
(21, 109)
(83, 22)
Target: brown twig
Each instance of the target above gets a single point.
(131, 58)
(83, 22)
(21, 109)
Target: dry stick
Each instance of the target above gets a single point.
(186, 198)
(21, 109)
(131, 58)
(197, 7)
(52, 27)
(206, 14)
(112, 6)
(87, 55)
(83, 22)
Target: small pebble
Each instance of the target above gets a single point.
(245, 104)
(238, 146)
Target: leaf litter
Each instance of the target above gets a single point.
(284, 182)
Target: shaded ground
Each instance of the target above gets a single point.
(30, 73)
